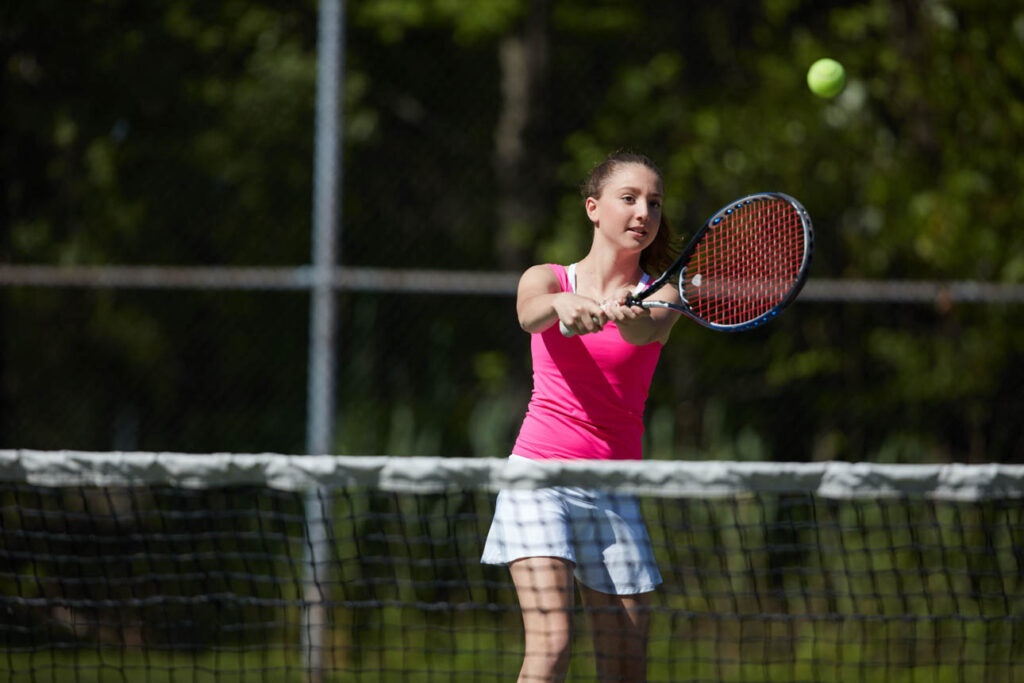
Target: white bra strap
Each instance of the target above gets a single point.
(570, 271)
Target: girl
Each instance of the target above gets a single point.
(588, 403)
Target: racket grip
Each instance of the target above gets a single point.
(631, 299)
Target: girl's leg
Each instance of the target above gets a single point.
(619, 625)
(545, 589)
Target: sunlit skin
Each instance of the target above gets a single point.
(619, 624)
(625, 218)
(626, 215)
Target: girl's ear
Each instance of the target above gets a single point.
(591, 206)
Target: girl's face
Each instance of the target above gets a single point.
(628, 211)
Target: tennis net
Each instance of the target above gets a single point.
(173, 567)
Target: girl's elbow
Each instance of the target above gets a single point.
(527, 324)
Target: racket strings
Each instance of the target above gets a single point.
(747, 264)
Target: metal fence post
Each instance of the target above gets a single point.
(327, 192)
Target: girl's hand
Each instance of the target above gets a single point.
(580, 314)
(617, 310)
(639, 325)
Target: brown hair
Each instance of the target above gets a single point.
(659, 255)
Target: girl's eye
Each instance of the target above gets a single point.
(627, 198)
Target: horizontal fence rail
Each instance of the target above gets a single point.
(411, 281)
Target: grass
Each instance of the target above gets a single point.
(803, 651)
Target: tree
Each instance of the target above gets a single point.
(179, 133)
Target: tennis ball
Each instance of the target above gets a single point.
(826, 77)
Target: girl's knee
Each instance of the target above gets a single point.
(548, 651)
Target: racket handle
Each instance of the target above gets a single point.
(630, 301)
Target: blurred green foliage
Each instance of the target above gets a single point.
(177, 132)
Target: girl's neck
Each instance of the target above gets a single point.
(599, 275)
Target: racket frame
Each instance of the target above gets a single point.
(678, 267)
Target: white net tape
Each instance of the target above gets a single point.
(669, 479)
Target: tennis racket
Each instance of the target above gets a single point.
(745, 265)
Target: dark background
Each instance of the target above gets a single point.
(180, 133)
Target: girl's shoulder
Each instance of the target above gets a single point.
(549, 276)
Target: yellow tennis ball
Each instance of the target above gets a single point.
(826, 77)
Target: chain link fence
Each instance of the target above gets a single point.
(155, 286)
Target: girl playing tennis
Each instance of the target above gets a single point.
(588, 403)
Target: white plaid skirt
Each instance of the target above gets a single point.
(601, 533)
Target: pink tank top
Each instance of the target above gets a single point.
(588, 394)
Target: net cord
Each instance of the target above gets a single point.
(425, 474)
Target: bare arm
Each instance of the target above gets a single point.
(540, 303)
(642, 326)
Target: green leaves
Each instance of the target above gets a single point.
(470, 21)
(182, 133)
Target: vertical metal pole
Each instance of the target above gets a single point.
(327, 187)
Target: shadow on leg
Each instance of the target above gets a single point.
(545, 589)
(619, 626)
